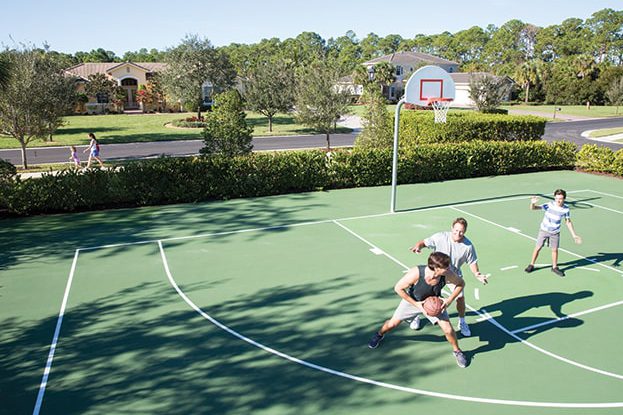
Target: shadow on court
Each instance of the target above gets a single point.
(613, 259)
(143, 350)
(512, 318)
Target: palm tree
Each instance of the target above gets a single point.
(529, 73)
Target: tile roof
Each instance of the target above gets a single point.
(83, 70)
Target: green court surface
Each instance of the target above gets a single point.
(266, 305)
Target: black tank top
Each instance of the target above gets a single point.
(422, 290)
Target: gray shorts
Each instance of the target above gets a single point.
(554, 239)
(406, 311)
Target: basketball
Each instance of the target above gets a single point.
(433, 306)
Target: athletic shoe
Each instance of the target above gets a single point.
(529, 268)
(416, 324)
(375, 340)
(460, 358)
(464, 328)
(558, 272)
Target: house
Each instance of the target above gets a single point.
(405, 63)
(129, 76)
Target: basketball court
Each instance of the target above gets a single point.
(266, 305)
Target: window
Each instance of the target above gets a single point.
(399, 70)
(392, 92)
(101, 97)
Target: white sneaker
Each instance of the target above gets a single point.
(464, 328)
(415, 324)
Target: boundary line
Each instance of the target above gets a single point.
(363, 379)
(57, 331)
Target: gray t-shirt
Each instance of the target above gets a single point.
(460, 252)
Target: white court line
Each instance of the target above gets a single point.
(371, 244)
(602, 193)
(477, 293)
(367, 380)
(57, 331)
(581, 313)
(534, 239)
(291, 225)
(589, 269)
(504, 329)
(507, 268)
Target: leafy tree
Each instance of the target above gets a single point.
(615, 93)
(97, 55)
(607, 28)
(269, 89)
(383, 74)
(370, 46)
(191, 64)
(33, 100)
(488, 91)
(144, 55)
(226, 131)
(389, 44)
(377, 123)
(318, 102)
(468, 45)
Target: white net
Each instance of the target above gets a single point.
(440, 106)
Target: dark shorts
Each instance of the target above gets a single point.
(553, 238)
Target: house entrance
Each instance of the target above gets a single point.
(130, 86)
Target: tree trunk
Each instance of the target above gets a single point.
(24, 161)
(328, 142)
(527, 91)
(199, 113)
(270, 123)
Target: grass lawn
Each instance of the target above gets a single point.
(122, 128)
(548, 110)
(605, 132)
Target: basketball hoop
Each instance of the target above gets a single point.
(440, 106)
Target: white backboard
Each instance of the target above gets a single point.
(429, 82)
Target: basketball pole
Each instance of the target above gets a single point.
(392, 207)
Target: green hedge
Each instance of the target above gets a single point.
(194, 179)
(600, 159)
(419, 127)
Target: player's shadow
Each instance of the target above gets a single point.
(523, 327)
(613, 259)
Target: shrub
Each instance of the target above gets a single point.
(419, 127)
(194, 179)
(595, 158)
(7, 170)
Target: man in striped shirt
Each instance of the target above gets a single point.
(555, 213)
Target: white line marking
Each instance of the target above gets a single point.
(548, 353)
(507, 268)
(513, 229)
(366, 380)
(590, 269)
(57, 331)
(534, 239)
(477, 293)
(377, 251)
(602, 193)
(581, 313)
(369, 243)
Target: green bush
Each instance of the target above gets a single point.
(188, 124)
(194, 179)
(7, 170)
(420, 127)
(592, 157)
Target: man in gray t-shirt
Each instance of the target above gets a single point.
(461, 251)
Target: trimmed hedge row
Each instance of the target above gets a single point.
(419, 127)
(177, 180)
(600, 159)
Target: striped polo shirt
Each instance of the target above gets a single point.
(553, 217)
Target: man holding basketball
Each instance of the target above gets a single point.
(461, 251)
(414, 288)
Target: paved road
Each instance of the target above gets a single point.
(569, 130)
(42, 155)
(572, 130)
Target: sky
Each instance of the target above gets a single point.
(70, 26)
